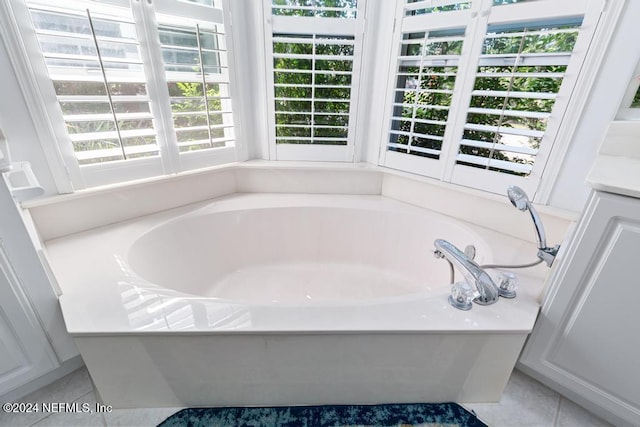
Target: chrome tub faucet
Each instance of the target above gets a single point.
(483, 289)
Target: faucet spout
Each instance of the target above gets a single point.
(472, 272)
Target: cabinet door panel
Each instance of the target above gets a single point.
(25, 352)
(14, 363)
(585, 343)
(600, 338)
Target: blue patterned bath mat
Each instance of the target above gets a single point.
(406, 415)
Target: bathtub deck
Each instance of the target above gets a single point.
(101, 295)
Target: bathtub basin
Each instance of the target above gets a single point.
(341, 254)
(285, 299)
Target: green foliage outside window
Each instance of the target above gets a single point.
(315, 8)
(423, 94)
(189, 110)
(77, 125)
(635, 103)
(510, 79)
(312, 88)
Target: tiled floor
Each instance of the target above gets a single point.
(525, 402)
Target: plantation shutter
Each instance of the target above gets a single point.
(431, 39)
(140, 89)
(511, 79)
(195, 61)
(95, 64)
(520, 72)
(314, 51)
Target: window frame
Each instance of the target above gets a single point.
(44, 107)
(434, 168)
(480, 15)
(309, 26)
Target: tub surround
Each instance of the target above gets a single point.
(298, 369)
(150, 345)
(62, 215)
(144, 344)
(492, 211)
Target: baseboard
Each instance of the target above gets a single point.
(566, 391)
(66, 368)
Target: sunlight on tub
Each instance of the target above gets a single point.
(149, 310)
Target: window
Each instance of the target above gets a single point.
(312, 87)
(426, 75)
(200, 101)
(96, 68)
(517, 81)
(474, 92)
(313, 56)
(142, 90)
(479, 88)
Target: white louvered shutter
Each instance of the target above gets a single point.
(96, 67)
(142, 91)
(314, 51)
(520, 72)
(480, 88)
(431, 37)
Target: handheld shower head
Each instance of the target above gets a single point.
(518, 198)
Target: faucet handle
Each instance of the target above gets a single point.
(462, 295)
(507, 283)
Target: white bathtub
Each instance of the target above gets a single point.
(285, 299)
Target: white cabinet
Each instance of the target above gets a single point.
(25, 353)
(586, 342)
(33, 338)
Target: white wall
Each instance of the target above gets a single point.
(570, 190)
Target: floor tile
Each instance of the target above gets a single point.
(65, 390)
(525, 402)
(573, 415)
(20, 419)
(90, 418)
